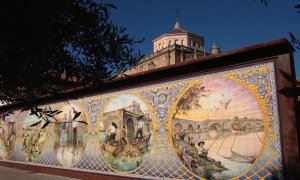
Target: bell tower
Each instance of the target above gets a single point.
(178, 36)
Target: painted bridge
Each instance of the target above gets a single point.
(213, 126)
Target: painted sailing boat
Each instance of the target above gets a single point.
(240, 158)
(236, 156)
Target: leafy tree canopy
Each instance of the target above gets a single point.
(44, 42)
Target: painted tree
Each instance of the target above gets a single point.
(190, 100)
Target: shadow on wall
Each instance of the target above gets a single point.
(293, 92)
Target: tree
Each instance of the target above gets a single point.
(295, 41)
(45, 42)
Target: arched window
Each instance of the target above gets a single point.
(190, 128)
(177, 128)
(198, 128)
(130, 128)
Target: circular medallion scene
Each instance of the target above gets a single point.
(218, 129)
(7, 136)
(125, 132)
(70, 136)
(32, 138)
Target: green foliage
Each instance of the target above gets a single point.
(46, 124)
(298, 7)
(295, 41)
(35, 124)
(265, 2)
(43, 42)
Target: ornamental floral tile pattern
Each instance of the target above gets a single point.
(222, 125)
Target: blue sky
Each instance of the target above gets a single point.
(232, 24)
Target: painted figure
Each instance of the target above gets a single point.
(63, 134)
(74, 135)
(7, 137)
(202, 151)
(2, 139)
(11, 127)
(190, 139)
(112, 133)
(185, 152)
(70, 136)
(123, 136)
(186, 157)
(139, 131)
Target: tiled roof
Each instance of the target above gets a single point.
(177, 31)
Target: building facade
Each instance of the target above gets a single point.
(127, 117)
(176, 46)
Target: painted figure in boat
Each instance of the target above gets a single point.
(127, 134)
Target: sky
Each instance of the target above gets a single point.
(226, 99)
(232, 24)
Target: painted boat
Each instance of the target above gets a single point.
(240, 158)
(117, 148)
(113, 149)
(140, 144)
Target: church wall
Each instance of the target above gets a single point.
(185, 40)
(169, 40)
(173, 57)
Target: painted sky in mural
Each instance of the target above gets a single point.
(124, 100)
(225, 99)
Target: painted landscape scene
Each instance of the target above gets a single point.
(70, 136)
(125, 132)
(32, 138)
(7, 136)
(218, 129)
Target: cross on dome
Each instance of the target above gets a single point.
(177, 24)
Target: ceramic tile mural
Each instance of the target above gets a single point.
(216, 126)
(69, 138)
(7, 137)
(32, 138)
